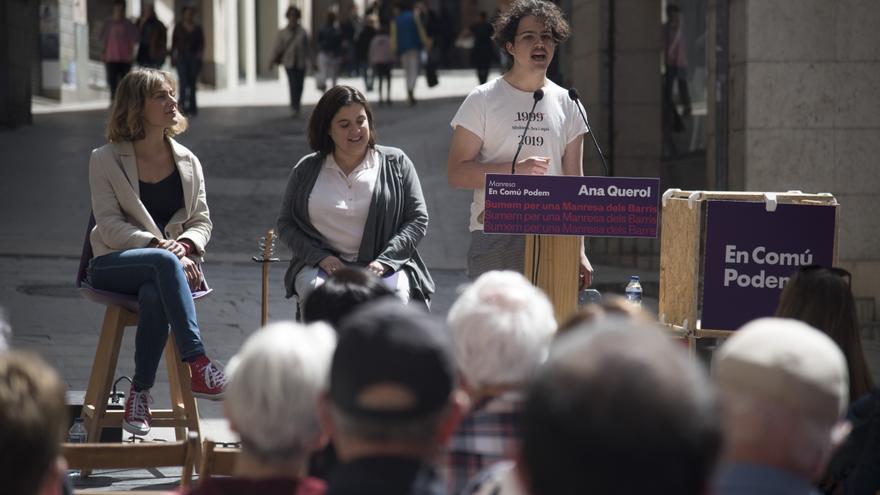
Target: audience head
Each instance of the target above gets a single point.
(619, 409)
(341, 293)
(822, 298)
(502, 326)
(611, 306)
(32, 425)
(783, 387)
(275, 382)
(323, 120)
(392, 383)
(128, 118)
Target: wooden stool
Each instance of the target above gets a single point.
(121, 311)
(133, 456)
(184, 413)
(217, 459)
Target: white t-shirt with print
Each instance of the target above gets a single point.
(497, 112)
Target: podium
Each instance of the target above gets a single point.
(551, 264)
(725, 256)
(553, 212)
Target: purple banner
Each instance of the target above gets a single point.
(570, 205)
(751, 253)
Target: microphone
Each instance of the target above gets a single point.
(573, 94)
(537, 95)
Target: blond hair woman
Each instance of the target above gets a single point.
(152, 225)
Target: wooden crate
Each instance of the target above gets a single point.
(682, 250)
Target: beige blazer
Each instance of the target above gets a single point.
(122, 220)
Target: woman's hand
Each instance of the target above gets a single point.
(378, 268)
(533, 165)
(176, 248)
(586, 272)
(193, 275)
(330, 264)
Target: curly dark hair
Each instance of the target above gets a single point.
(508, 22)
(322, 117)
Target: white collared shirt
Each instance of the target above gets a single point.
(339, 203)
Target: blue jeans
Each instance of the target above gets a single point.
(156, 277)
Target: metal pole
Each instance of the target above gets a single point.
(722, 104)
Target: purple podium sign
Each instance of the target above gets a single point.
(751, 253)
(571, 205)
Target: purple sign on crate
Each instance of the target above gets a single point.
(571, 205)
(751, 253)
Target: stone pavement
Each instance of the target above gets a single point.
(247, 142)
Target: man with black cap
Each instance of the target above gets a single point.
(392, 401)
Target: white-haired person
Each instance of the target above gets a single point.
(272, 403)
(502, 327)
(784, 388)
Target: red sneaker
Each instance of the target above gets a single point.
(208, 379)
(137, 416)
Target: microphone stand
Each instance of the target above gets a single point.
(572, 93)
(537, 95)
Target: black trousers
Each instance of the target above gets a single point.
(295, 79)
(115, 72)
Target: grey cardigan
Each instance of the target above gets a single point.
(396, 223)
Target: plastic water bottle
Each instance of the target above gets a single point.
(76, 434)
(634, 290)
(589, 296)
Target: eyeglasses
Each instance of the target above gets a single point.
(840, 272)
(531, 38)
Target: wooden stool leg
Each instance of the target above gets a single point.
(103, 369)
(183, 403)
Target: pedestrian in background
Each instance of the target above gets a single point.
(362, 48)
(187, 45)
(119, 35)
(153, 47)
(429, 32)
(382, 58)
(329, 50)
(350, 28)
(292, 51)
(484, 49)
(406, 41)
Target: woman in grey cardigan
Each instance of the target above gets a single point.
(353, 202)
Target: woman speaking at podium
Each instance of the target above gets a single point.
(489, 124)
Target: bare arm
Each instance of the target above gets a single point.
(464, 171)
(572, 160)
(573, 157)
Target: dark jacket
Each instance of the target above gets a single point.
(396, 223)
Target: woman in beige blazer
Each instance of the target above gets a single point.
(152, 225)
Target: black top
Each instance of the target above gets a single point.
(385, 476)
(162, 199)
